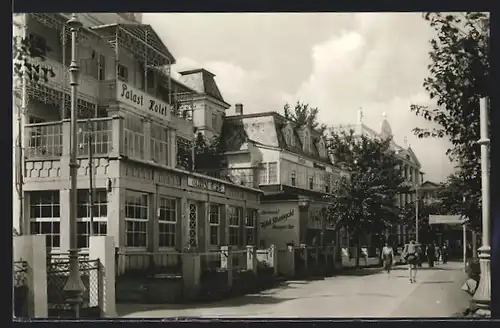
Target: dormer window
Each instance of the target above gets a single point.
(307, 141)
(321, 147)
(289, 136)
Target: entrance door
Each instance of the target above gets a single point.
(193, 224)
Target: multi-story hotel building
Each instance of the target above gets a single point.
(409, 164)
(290, 164)
(141, 123)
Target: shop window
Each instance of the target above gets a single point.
(234, 219)
(136, 219)
(45, 216)
(214, 222)
(167, 222)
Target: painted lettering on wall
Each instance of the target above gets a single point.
(278, 218)
(140, 100)
(206, 184)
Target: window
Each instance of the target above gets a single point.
(311, 182)
(122, 73)
(167, 222)
(214, 222)
(134, 136)
(214, 121)
(158, 144)
(273, 172)
(136, 219)
(100, 213)
(184, 153)
(101, 68)
(293, 177)
(288, 137)
(307, 141)
(262, 173)
(250, 224)
(326, 182)
(234, 219)
(45, 216)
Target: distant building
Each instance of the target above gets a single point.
(428, 191)
(290, 164)
(410, 165)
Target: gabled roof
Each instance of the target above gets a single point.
(143, 32)
(429, 185)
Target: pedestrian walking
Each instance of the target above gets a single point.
(431, 254)
(438, 253)
(444, 254)
(410, 255)
(388, 258)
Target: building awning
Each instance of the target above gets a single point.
(447, 219)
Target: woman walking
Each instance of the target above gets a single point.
(410, 255)
(388, 258)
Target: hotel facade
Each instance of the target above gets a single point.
(139, 123)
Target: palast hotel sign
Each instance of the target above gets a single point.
(138, 99)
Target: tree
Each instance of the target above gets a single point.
(364, 202)
(459, 196)
(302, 114)
(208, 153)
(458, 77)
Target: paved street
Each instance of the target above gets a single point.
(364, 293)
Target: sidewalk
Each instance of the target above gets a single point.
(365, 293)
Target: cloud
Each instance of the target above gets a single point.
(336, 62)
(376, 68)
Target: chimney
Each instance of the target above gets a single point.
(238, 108)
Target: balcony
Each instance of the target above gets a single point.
(88, 88)
(50, 141)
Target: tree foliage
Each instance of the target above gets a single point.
(366, 200)
(304, 115)
(426, 208)
(208, 153)
(459, 75)
(461, 195)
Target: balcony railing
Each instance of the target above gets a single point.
(50, 140)
(88, 87)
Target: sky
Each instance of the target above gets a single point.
(338, 62)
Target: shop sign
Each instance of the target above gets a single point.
(277, 218)
(138, 99)
(206, 184)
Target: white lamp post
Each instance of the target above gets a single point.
(482, 297)
(74, 287)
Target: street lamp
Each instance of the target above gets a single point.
(74, 287)
(482, 296)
